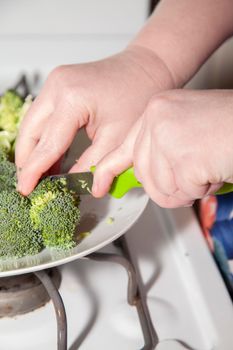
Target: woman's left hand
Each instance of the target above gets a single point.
(181, 148)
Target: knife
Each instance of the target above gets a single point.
(81, 183)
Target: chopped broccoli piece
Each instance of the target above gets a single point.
(110, 220)
(17, 235)
(54, 211)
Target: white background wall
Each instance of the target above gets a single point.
(43, 34)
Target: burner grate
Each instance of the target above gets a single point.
(134, 295)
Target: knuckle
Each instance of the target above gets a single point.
(165, 126)
(158, 198)
(65, 91)
(161, 103)
(69, 94)
(58, 73)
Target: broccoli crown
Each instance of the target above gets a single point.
(17, 234)
(58, 220)
(54, 211)
(47, 218)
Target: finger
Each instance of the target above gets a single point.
(214, 188)
(192, 179)
(164, 179)
(55, 140)
(166, 201)
(114, 163)
(158, 186)
(31, 127)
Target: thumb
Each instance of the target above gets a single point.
(115, 162)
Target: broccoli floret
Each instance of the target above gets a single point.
(58, 220)
(54, 211)
(7, 174)
(12, 110)
(17, 235)
(6, 139)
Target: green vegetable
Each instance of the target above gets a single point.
(7, 174)
(47, 218)
(17, 235)
(54, 211)
(12, 110)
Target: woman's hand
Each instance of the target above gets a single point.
(105, 97)
(181, 148)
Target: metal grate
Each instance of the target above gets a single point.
(135, 297)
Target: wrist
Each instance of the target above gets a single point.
(152, 65)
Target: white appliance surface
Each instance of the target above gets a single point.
(185, 294)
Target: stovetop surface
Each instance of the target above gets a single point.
(186, 296)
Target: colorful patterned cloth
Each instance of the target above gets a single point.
(216, 215)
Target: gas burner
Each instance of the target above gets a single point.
(24, 293)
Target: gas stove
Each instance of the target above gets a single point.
(179, 300)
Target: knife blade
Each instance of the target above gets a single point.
(81, 183)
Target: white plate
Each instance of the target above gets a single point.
(106, 219)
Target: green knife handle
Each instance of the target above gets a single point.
(122, 183)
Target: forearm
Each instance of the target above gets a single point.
(184, 33)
